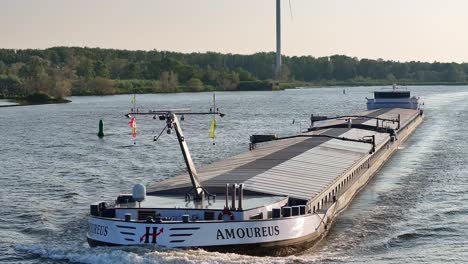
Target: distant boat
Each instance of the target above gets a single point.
(391, 98)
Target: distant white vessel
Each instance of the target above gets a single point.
(393, 98)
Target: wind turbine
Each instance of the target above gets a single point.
(278, 37)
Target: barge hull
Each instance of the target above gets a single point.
(347, 196)
(278, 248)
(325, 184)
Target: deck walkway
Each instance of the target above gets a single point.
(299, 167)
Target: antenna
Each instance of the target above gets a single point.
(212, 132)
(134, 103)
(214, 103)
(290, 10)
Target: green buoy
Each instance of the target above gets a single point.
(101, 129)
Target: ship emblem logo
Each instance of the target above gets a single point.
(146, 236)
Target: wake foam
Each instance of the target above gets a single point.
(146, 255)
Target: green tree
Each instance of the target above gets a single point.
(54, 58)
(60, 84)
(100, 69)
(344, 68)
(45, 70)
(168, 82)
(35, 77)
(195, 84)
(3, 67)
(10, 85)
(85, 69)
(153, 70)
(285, 74)
(391, 77)
(61, 89)
(228, 81)
(210, 76)
(34, 68)
(133, 71)
(117, 68)
(185, 73)
(245, 76)
(15, 68)
(454, 73)
(101, 86)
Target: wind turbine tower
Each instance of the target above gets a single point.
(278, 39)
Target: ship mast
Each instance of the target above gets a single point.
(172, 122)
(199, 191)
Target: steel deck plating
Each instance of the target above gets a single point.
(300, 167)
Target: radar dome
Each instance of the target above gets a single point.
(139, 192)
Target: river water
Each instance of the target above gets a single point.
(52, 166)
(6, 102)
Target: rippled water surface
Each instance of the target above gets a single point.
(52, 166)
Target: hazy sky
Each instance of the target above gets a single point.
(426, 30)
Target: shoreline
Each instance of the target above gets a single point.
(296, 85)
(22, 102)
(331, 84)
(282, 87)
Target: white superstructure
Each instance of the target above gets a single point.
(393, 98)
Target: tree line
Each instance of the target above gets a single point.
(63, 71)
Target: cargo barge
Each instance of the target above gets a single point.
(277, 199)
